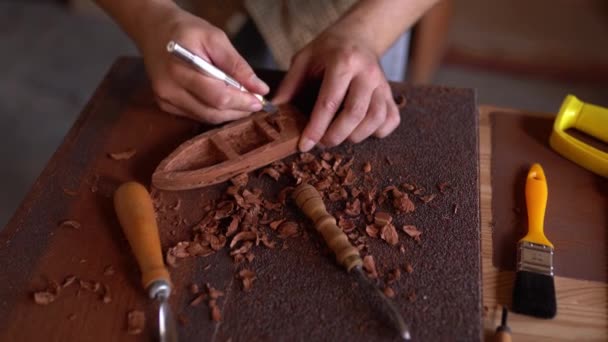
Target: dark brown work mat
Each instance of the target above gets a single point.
(576, 221)
(300, 293)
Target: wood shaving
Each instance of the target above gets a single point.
(372, 231)
(69, 192)
(288, 229)
(404, 204)
(389, 234)
(381, 218)
(427, 198)
(275, 224)
(443, 186)
(412, 231)
(242, 236)
(409, 268)
(69, 280)
(367, 167)
(216, 314)
(198, 299)
(240, 180)
(272, 173)
(70, 224)
(353, 208)
(136, 320)
(123, 155)
(44, 297)
(247, 277)
(346, 225)
(214, 293)
(194, 289)
(389, 292)
(369, 265)
(233, 226)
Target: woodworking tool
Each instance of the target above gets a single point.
(310, 202)
(534, 289)
(503, 332)
(135, 213)
(589, 119)
(212, 71)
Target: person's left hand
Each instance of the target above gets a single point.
(351, 74)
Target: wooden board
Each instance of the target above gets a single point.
(582, 313)
(300, 292)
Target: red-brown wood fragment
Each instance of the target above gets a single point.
(371, 230)
(272, 173)
(345, 224)
(198, 299)
(367, 167)
(412, 231)
(369, 265)
(404, 204)
(242, 236)
(275, 224)
(69, 280)
(382, 218)
(288, 229)
(44, 297)
(240, 180)
(136, 320)
(353, 208)
(194, 289)
(427, 198)
(233, 226)
(409, 268)
(393, 276)
(107, 296)
(70, 224)
(214, 293)
(124, 155)
(247, 277)
(216, 314)
(389, 292)
(389, 234)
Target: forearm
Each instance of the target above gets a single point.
(135, 15)
(380, 22)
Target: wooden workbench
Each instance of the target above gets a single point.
(582, 313)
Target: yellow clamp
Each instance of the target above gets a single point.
(587, 118)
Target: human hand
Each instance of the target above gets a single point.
(351, 75)
(182, 90)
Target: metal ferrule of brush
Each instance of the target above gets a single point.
(535, 258)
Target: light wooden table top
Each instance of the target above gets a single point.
(582, 306)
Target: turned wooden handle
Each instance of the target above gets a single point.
(135, 212)
(309, 200)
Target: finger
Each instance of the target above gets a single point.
(333, 88)
(188, 105)
(226, 57)
(213, 93)
(375, 117)
(393, 119)
(355, 107)
(292, 81)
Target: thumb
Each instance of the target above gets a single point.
(224, 56)
(293, 80)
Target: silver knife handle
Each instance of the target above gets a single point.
(206, 67)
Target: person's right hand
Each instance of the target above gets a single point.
(182, 90)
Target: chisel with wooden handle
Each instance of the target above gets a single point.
(135, 212)
(310, 202)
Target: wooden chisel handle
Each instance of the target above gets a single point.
(135, 212)
(310, 202)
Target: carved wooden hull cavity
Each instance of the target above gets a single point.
(241, 146)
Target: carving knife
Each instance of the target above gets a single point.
(135, 212)
(212, 71)
(310, 202)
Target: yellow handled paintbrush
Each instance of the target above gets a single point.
(534, 290)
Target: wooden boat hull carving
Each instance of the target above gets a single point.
(241, 146)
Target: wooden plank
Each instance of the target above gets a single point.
(582, 312)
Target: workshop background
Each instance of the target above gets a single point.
(515, 53)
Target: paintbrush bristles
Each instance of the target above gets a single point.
(534, 295)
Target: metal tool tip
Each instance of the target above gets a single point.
(270, 108)
(171, 46)
(406, 335)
